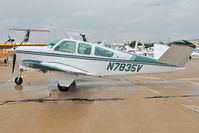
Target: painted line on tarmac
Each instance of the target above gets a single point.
(11, 80)
(194, 83)
(191, 108)
(153, 91)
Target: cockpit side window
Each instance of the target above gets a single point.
(84, 49)
(66, 46)
(103, 52)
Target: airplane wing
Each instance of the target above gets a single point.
(52, 66)
(8, 46)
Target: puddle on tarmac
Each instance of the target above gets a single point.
(89, 86)
(104, 83)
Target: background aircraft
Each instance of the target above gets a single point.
(27, 35)
(195, 52)
(3, 47)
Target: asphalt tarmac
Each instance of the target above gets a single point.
(147, 103)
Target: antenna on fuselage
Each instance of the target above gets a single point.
(27, 35)
(83, 37)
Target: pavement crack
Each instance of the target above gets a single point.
(40, 100)
(156, 97)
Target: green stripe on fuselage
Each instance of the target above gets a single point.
(37, 65)
(140, 59)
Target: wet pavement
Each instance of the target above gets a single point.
(167, 102)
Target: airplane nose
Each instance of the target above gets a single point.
(12, 50)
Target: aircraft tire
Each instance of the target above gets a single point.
(18, 81)
(6, 60)
(63, 88)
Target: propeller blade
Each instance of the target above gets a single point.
(13, 63)
(6, 42)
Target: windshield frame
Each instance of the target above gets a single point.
(53, 43)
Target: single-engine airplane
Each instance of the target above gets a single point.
(70, 58)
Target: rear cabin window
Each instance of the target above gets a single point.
(66, 46)
(84, 49)
(103, 52)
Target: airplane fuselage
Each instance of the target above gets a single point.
(111, 62)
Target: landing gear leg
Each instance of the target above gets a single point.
(19, 80)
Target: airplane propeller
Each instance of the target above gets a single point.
(13, 62)
(9, 40)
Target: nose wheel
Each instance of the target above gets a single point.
(18, 79)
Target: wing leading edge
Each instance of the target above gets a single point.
(52, 66)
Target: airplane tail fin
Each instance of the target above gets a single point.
(178, 54)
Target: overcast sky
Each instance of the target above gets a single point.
(110, 20)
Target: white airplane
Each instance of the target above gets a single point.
(70, 59)
(195, 52)
(139, 50)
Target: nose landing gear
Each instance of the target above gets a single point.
(19, 80)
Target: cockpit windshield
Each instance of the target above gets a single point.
(52, 43)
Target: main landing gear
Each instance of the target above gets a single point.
(19, 80)
(61, 85)
(65, 80)
(64, 88)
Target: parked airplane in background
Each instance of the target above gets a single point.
(27, 35)
(195, 52)
(140, 50)
(4, 47)
(70, 58)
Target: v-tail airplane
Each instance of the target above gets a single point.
(70, 59)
